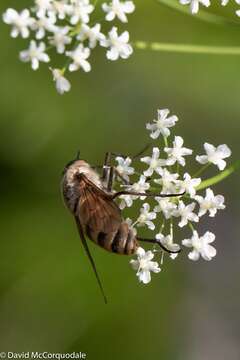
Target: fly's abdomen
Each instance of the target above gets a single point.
(123, 241)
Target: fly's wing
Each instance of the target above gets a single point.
(96, 209)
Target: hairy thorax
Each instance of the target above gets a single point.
(70, 185)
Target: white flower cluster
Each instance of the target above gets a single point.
(194, 4)
(64, 25)
(162, 174)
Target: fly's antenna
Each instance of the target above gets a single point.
(78, 155)
(86, 248)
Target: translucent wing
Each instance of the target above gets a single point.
(96, 209)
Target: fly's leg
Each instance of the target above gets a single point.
(155, 241)
(109, 171)
(112, 172)
(106, 167)
(147, 194)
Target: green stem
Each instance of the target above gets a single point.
(213, 180)
(201, 15)
(187, 48)
(162, 226)
(171, 228)
(165, 141)
(202, 169)
(75, 30)
(191, 226)
(50, 47)
(69, 60)
(223, 175)
(177, 168)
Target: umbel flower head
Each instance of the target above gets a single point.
(68, 28)
(163, 172)
(195, 4)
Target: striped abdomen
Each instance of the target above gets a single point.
(123, 241)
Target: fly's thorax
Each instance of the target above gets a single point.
(70, 182)
(81, 167)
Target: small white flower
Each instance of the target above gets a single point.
(167, 242)
(166, 206)
(93, 34)
(177, 152)
(144, 265)
(60, 39)
(21, 22)
(126, 201)
(201, 246)
(155, 164)
(124, 168)
(42, 6)
(79, 56)
(35, 53)
(162, 124)
(215, 155)
(79, 11)
(119, 46)
(210, 203)
(168, 181)
(60, 9)
(140, 187)
(43, 24)
(186, 213)
(118, 9)
(189, 184)
(173, 256)
(62, 84)
(225, 2)
(146, 216)
(194, 4)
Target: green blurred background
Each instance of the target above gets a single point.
(49, 300)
